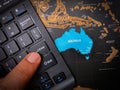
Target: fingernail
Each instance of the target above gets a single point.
(33, 57)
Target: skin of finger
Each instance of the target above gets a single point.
(20, 75)
(82, 88)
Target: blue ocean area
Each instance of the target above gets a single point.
(72, 39)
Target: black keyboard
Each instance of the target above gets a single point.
(22, 32)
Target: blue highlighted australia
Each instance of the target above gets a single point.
(74, 40)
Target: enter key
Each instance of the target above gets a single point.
(48, 62)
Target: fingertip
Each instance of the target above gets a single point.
(33, 57)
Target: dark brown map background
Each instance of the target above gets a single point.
(101, 20)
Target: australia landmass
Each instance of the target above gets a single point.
(74, 40)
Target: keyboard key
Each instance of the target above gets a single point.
(11, 48)
(48, 85)
(40, 47)
(9, 65)
(5, 18)
(11, 30)
(2, 37)
(20, 56)
(24, 40)
(44, 78)
(2, 54)
(36, 33)
(59, 78)
(48, 62)
(25, 22)
(19, 10)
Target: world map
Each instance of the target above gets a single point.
(87, 35)
(95, 16)
(79, 41)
